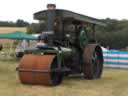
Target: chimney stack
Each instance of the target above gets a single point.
(51, 6)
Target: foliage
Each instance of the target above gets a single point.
(18, 23)
(33, 28)
(36, 28)
(21, 23)
(7, 24)
(114, 35)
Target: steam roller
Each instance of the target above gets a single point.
(67, 46)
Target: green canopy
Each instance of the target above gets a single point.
(18, 36)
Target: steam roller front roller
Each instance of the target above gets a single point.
(39, 69)
(93, 61)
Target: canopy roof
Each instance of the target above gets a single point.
(18, 36)
(69, 14)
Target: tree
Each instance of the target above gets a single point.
(115, 34)
(21, 23)
(33, 28)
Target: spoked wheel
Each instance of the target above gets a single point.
(93, 61)
(39, 69)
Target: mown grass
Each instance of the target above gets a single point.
(113, 83)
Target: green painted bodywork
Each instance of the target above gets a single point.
(39, 51)
(47, 51)
(60, 55)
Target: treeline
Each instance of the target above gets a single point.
(114, 35)
(18, 23)
(31, 27)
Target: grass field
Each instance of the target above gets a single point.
(113, 83)
(11, 29)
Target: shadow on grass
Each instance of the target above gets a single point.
(75, 77)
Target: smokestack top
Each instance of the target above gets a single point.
(51, 6)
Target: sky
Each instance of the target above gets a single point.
(11, 10)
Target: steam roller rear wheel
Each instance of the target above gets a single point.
(93, 61)
(39, 69)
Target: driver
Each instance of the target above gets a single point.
(42, 39)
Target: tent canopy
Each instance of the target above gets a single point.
(18, 36)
